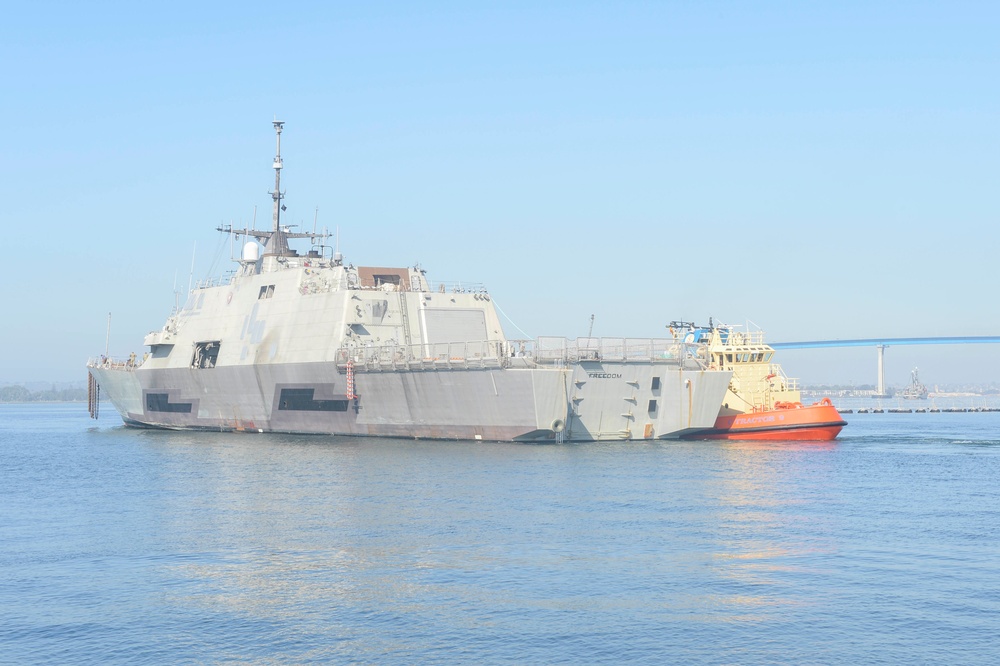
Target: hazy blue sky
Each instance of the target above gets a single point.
(823, 169)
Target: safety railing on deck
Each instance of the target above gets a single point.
(734, 338)
(791, 383)
(621, 350)
(390, 357)
(522, 353)
(109, 363)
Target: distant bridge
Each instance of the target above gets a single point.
(882, 343)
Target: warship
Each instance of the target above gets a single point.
(305, 343)
(916, 390)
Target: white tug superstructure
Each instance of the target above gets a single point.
(302, 343)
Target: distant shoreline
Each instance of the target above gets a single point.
(43, 402)
(20, 394)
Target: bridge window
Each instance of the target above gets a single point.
(652, 407)
(656, 384)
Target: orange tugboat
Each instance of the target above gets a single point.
(762, 402)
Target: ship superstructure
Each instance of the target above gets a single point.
(758, 383)
(304, 343)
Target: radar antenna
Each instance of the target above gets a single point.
(277, 244)
(276, 240)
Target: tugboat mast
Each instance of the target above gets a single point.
(277, 244)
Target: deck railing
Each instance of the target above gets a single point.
(545, 351)
(735, 338)
(109, 363)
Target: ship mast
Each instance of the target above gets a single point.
(277, 244)
(275, 241)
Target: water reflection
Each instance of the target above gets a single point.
(290, 530)
(378, 546)
(767, 524)
(122, 545)
(287, 527)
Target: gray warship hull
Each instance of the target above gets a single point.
(582, 401)
(304, 343)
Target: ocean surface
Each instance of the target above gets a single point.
(144, 547)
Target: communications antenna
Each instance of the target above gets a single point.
(277, 244)
(275, 241)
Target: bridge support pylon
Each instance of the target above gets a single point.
(880, 391)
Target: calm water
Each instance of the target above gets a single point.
(129, 546)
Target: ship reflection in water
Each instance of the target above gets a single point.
(766, 531)
(387, 530)
(222, 547)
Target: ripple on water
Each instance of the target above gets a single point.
(151, 547)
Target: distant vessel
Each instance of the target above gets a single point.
(916, 390)
(304, 343)
(762, 403)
